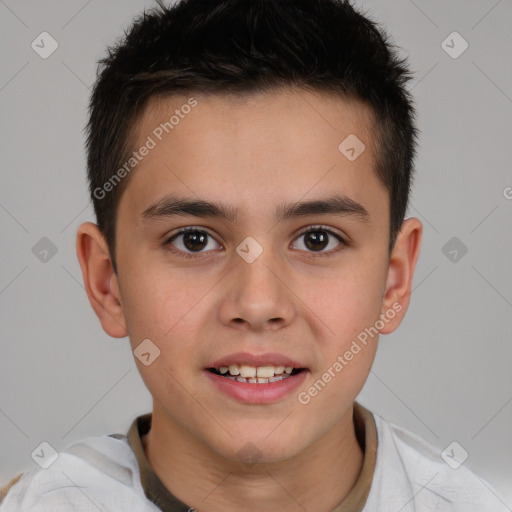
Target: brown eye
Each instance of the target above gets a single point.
(317, 239)
(191, 240)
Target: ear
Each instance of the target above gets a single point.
(400, 273)
(100, 280)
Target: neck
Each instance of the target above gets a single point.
(318, 478)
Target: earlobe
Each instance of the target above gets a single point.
(100, 279)
(400, 273)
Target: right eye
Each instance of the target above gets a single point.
(190, 241)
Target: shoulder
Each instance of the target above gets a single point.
(411, 474)
(97, 472)
(5, 489)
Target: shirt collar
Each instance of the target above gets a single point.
(153, 487)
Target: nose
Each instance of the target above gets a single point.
(257, 296)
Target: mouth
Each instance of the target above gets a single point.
(256, 379)
(265, 374)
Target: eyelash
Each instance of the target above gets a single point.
(312, 229)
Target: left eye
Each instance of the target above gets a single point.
(317, 239)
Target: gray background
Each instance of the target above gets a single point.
(445, 374)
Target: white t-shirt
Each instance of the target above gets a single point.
(109, 473)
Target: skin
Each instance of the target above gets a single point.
(252, 153)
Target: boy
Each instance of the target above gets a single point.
(250, 166)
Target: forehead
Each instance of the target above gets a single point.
(255, 148)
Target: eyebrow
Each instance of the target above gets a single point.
(175, 206)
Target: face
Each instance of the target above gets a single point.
(287, 279)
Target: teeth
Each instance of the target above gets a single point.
(233, 369)
(257, 380)
(253, 374)
(247, 371)
(265, 371)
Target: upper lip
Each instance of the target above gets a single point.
(246, 358)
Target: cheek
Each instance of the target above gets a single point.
(349, 309)
(164, 311)
(158, 305)
(349, 303)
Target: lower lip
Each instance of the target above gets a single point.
(257, 393)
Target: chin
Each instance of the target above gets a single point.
(257, 448)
